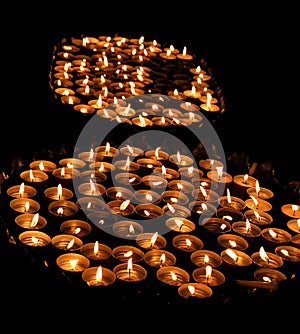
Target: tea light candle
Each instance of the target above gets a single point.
(96, 252)
(260, 192)
(157, 154)
(34, 176)
(24, 205)
(167, 173)
(43, 165)
(107, 151)
(232, 202)
(296, 240)
(294, 225)
(159, 258)
(72, 163)
(266, 259)
(149, 164)
(258, 217)
(232, 241)
(151, 241)
(276, 235)
(65, 175)
(180, 225)
(269, 275)
(190, 172)
(161, 121)
(32, 221)
(124, 252)
(127, 229)
(98, 276)
(129, 179)
(210, 164)
(180, 159)
(89, 156)
(196, 290)
(119, 193)
(174, 197)
(130, 272)
(230, 214)
(21, 190)
(120, 207)
(246, 229)
(208, 275)
(204, 257)
(102, 166)
(62, 208)
(187, 242)
(89, 204)
(223, 179)
(288, 253)
(144, 196)
(148, 211)
(127, 165)
(216, 225)
(73, 262)
(77, 227)
(258, 204)
(95, 176)
(91, 189)
(290, 210)
(154, 181)
(207, 195)
(181, 185)
(66, 242)
(131, 151)
(173, 275)
(34, 238)
(241, 183)
(202, 209)
(177, 210)
(58, 193)
(141, 121)
(236, 257)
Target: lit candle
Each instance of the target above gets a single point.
(121, 207)
(208, 275)
(291, 210)
(172, 275)
(124, 252)
(43, 165)
(150, 240)
(127, 229)
(187, 243)
(73, 262)
(294, 225)
(258, 204)
(130, 272)
(63, 208)
(57, 193)
(31, 221)
(180, 159)
(98, 276)
(195, 290)
(234, 202)
(232, 241)
(204, 257)
(66, 242)
(24, 205)
(159, 258)
(266, 259)
(21, 190)
(258, 217)
(34, 176)
(34, 238)
(236, 257)
(77, 227)
(96, 252)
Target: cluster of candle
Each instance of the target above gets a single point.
(205, 238)
(91, 73)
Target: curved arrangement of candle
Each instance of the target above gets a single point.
(89, 73)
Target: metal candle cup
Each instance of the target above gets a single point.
(204, 257)
(195, 290)
(214, 278)
(258, 204)
(173, 275)
(270, 260)
(21, 190)
(66, 242)
(34, 238)
(159, 258)
(24, 205)
(77, 227)
(123, 252)
(91, 277)
(232, 241)
(34, 176)
(31, 221)
(180, 225)
(53, 193)
(62, 208)
(126, 229)
(294, 225)
(187, 243)
(149, 240)
(96, 252)
(135, 274)
(43, 165)
(73, 262)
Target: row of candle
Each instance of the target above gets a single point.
(230, 231)
(93, 73)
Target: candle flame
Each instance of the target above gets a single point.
(96, 247)
(262, 253)
(191, 289)
(257, 187)
(31, 176)
(219, 171)
(208, 271)
(142, 120)
(178, 157)
(35, 220)
(232, 244)
(190, 170)
(223, 227)
(173, 276)
(92, 187)
(73, 263)
(34, 239)
(206, 259)
(203, 191)
(147, 213)
(59, 191)
(118, 194)
(41, 165)
(129, 264)
(107, 148)
(228, 196)
(162, 259)
(257, 215)
(188, 242)
(130, 149)
(128, 254)
(272, 233)
(266, 279)
(170, 207)
(131, 229)
(248, 225)
(153, 239)
(26, 206)
(127, 164)
(124, 205)
(60, 211)
(91, 155)
(231, 253)
(246, 176)
(21, 189)
(99, 274)
(255, 201)
(149, 197)
(295, 208)
(70, 244)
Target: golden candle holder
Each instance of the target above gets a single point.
(21, 190)
(246, 229)
(172, 275)
(131, 151)
(107, 151)
(202, 209)
(127, 165)
(66, 242)
(190, 173)
(181, 185)
(232, 202)
(266, 259)
(241, 183)
(269, 275)
(254, 203)
(128, 179)
(288, 253)
(180, 225)
(31, 221)
(43, 165)
(236, 258)
(146, 196)
(258, 217)
(89, 157)
(148, 211)
(195, 290)
(262, 193)
(208, 275)
(187, 243)
(102, 166)
(233, 241)
(210, 164)
(123, 252)
(34, 176)
(63, 208)
(141, 121)
(119, 193)
(157, 258)
(95, 176)
(90, 204)
(181, 160)
(166, 172)
(216, 225)
(290, 210)
(176, 210)
(204, 257)
(157, 155)
(207, 195)
(149, 240)
(294, 225)
(127, 229)
(276, 236)
(34, 239)
(120, 207)
(65, 175)
(230, 214)
(58, 193)
(72, 163)
(24, 205)
(72, 262)
(174, 197)
(98, 276)
(222, 179)
(296, 240)
(127, 273)
(96, 252)
(154, 182)
(77, 227)
(91, 189)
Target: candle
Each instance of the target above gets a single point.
(127, 229)
(32, 221)
(96, 252)
(167, 173)
(77, 227)
(290, 210)
(232, 241)
(246, 229)
(34, 176)
(204, 257)
(180, 159)
(102, 166)
(24, 205)
(177, 210)
(180, 225)
(154, 181)
(222, 179)
(34, 238)
(62, 208)
(90, 204)
(58, 193)
(208, 275)
(288, 253)
(72, 163)
(127, 165)
(236, 257)
(174, 197)
(216, 225)
(258, 217)
(258, 204)
(207, 195)
(195, 290)
(159, 258)
(121, 207)
(73, 262)
(260, 192)
(91, 189)
(21, 190)
(181, 185)
(144, 196)
(98, 276)
(95, 176)
(131, 151)
(234, 202)
(130, 272)
(65, 175)
(129, 179)
(88, 157)
(66, 242)
(190, 172)
(172, 275)
(148, 240)
(124, 252)
(187, 243)
(266, 259)
(230, 214)
(294, 225)
(241, 183)
(119, 193)
(107, 151)
(141, 121)
(210, 164)
(43, 165)
(269, 275)
(276, 235)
